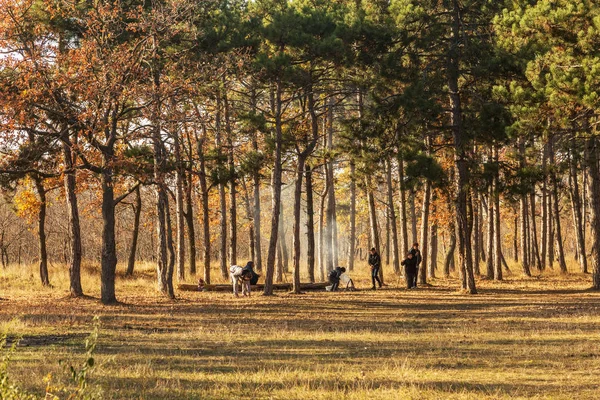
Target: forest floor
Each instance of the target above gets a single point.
(535, 338)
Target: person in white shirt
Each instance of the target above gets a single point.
(242, 276)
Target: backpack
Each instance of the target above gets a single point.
(333, 275)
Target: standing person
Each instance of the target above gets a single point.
(242, 276)
(375, 263)
(417, 256)
(410, 270)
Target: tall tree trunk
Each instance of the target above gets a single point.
(109, 250)
(549, 213)
(43, 253)
(403, 221)
(257, 206)
(179, 212)
(544, 222)
(352, 239)
(490, 233)
(534, 238)
(425, 232)
(451, 248)
(74, 227)
(204, 199)
(577, 215)
(460, 155)
(497, 255)
(232, 186)
(332, 243)
(296, 228)
(310, 225)
(593, 155)
(322, 237)
(413, 217)
(433, 246)
(189, 221)
(515, 238)
(222, 196)
(476, 229)
(523, 214)
(481, 237)
(373, 221)
(392, 219)
(556, 211)
(276, 190)
(137, 210)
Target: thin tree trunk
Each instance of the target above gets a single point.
(204, 198)
(109, 254)
(559, 246)
(276, 190)
(433, 247)
(460, 155)
(534, 238)
(451, 248)
(593, 154)
(425, 232)
(413, 216)
(74, 227)
(43, 253)
(476, 229)
(373, 221)
(403, 219)
(296, 229)
(577, 215)
(179, 212)
(352, 238)
(222, 196)
(490, 233)
(189, 220)
(498, 258)
(523, 214)
(232, 186)
(392, 219)
(137, 210)
(310, 225)
(544, 222)
(549, 213)
(257, 205)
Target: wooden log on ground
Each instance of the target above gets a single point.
(190, 287)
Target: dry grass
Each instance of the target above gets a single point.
(523, 338)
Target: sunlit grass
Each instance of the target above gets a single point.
(522, 338)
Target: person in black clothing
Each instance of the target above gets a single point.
(375, 263)
(417, 256)
(334, 277)
(249, 268)
(410, 270)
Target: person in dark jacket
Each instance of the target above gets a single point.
(254, 276)
(417, 256)
(334, 277)
(375, 263)
(410, 270)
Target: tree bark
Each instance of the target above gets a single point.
(413, 217)
(534, 238)
(460, 155)
(109, 253)
(577, 215)
(433, 247)
(559, 246)
(257, 205)
(476, 229)
(74, 226)
(373, 220)
(593, 154)
(310, 225)
(179, 212)
(222, 196)
(425, 232)
(276, 193)
(189, 220)
(232, 186)
(352, 238)
(403, 219)
(490, 233)
(451, 248)
(544, 222)
(296, 228)
(498, 258)
(43, 252)
(137, 210)
(392, 219)
(205, 208)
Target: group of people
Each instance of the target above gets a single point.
(410, 263)
(245, 276)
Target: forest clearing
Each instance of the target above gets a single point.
(521, 338)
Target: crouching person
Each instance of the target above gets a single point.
(334, 277)
(241, 276)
